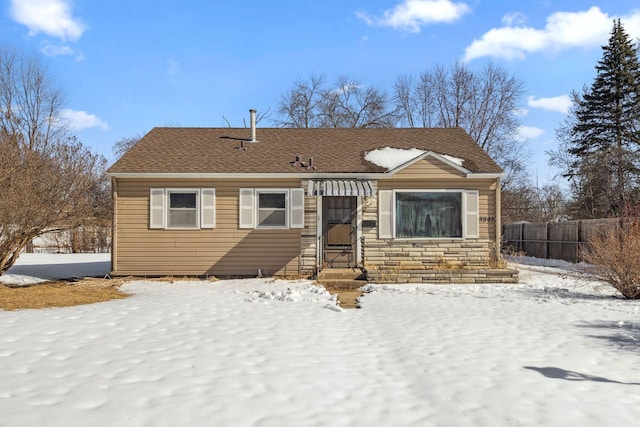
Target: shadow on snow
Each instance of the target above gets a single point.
(563, 374)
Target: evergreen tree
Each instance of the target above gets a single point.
(604, 140)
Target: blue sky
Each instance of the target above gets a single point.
(127, 66)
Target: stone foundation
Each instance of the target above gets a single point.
(383, 254)
(445, 276)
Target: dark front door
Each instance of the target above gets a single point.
(339, 231)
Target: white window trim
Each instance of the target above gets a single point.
(463, 213)
(167, 208)
(165, 193)
(257, 193)
(249, 200)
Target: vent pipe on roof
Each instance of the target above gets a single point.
(298, 161)
(252, 112)
(310, 165)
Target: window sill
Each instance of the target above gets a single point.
(426, 239)
(272, 228)
(182, 228)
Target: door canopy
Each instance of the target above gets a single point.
(341, 187)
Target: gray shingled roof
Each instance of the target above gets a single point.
(215, 150)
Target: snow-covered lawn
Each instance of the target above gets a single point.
(553, 351)
(37, 268)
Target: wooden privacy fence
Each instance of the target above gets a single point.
(555, 240)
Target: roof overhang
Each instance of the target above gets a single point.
(271, 175)
(484, 175)
(249, 175)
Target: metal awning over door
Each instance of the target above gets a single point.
(341, 187)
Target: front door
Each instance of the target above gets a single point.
(339, 231)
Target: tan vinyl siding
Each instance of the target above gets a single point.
(429, 168)
(224, 250)
(114, 227)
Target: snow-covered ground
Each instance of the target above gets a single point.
(554, 350)
(38, 268)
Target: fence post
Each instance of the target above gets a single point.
(546, 243)
(521, 238)
(579, 241)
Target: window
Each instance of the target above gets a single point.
(182, 208)
(272, 209)
(428, 214)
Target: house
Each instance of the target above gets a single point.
(407, 205)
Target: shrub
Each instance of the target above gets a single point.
(614, 258)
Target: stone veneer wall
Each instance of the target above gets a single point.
(308, 237)
(460, 276)
(411, 255)
(434, 261)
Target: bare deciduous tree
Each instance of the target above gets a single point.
(123, 145)
(46, 175)
(483, 103)
(527, 202)
(415, 101)
(345, 104)
(300, 106)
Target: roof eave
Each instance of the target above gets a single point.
(492, 175)
(277, 175)
(247, 175)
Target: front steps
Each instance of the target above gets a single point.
(342, 278)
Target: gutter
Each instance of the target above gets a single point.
(278, 175)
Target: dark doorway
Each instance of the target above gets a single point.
(339, 231)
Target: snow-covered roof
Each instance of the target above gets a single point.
(392, 158)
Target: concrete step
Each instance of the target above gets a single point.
(342, 284)
(341, 274)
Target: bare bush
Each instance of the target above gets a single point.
(49, 180)
(614, 258)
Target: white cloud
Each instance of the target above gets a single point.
(50, 49)
(410, 15)
(56, 50)
(514, 18)
(79, 120)
(52, 17)
(560, 104)
(346, 88)
(529, 132)
(563, 30)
